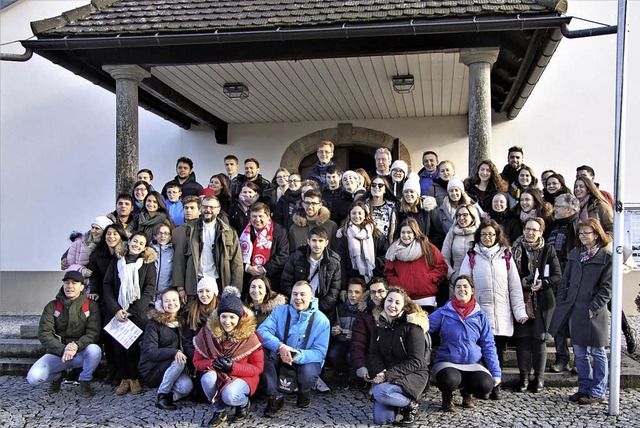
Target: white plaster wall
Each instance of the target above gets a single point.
(57, 134)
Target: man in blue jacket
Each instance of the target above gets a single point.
(295, 335)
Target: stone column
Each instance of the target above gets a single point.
(127, 78)
(479, 61)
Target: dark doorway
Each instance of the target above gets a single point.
(345, 157)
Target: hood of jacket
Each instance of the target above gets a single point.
(419, 318)
(275, 300)
(170, 320)
(245, 328)
(149, 255)
(300, 217)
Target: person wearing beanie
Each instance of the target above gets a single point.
(418, 208)
(229, 354)
(444, 215)
(399, 173)
(69, 331)
(78, 254)
(162, 362)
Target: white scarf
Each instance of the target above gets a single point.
(404, 253)
(129, 282)
(448, 210)
(361, 249)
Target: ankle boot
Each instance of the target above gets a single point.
(165, 402)
(536, 385)
(242, 412)
(447, 402)
(523, 384)
(409, 414)
(496, 393)
(467, 400)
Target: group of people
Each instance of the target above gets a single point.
(249, 284)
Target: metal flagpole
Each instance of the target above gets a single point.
(618, 214)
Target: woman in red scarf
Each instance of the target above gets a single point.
(229, 352)
(466, 339)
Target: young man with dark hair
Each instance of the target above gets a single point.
(514, 164)
(332, 190)
(145, 174)
(252, 173)
(185, 177)
(319, 171)
(123, 214)
(429, 171)
(235, 179)
(311, 214)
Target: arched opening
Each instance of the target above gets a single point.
(345, 157)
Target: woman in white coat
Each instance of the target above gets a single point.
(498, 287)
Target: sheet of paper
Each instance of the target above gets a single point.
(124, 332)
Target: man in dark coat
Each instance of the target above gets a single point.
(185, 177)
(252, 173)
(514, 164)
(317, 264)
(69, 331)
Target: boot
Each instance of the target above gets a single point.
(536, 385)
(409, 414)
(630, 337)
(110, 377)
(496, 394)
(242, 412)
(274, 406)
(523, 384)
(124, 387)
(85, 389)
(304, 399)
(134, 384)
(217, 419)
(165, 402)
(55, 385)
(447, 402)
(467, 400)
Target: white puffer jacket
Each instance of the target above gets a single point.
(497, 289)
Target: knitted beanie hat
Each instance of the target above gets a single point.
(102, 222)
(230, 302)
(400, 164)
(208, 282)
(455, 181)
(412, 183)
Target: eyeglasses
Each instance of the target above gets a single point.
(311, 204)
(294, 180)
(378, 185)
(585, 233)
(530, 229)
(163, 233)
(487, 235)
(380, 292)
(209, 207)
(462, 215)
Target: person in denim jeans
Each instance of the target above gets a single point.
(69, 330)
(582, 301)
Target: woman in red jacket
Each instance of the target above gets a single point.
(416, 265)
(229, 352)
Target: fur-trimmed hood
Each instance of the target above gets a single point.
(366, 304)
(419, 318)
(170, 320)
(245, 328)
(275, 300)
(149, 255)
(300, 217)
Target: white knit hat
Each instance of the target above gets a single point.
(455, 181)
(102, 222)
(208, 282)
(412, 183)
(400, 164)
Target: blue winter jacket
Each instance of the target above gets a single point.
(272, 332)
(465, 341)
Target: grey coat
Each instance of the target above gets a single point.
(585, 287)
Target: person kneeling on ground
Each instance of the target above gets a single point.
(229, 353)
(69, 331)
(399, 357)
(466, 339)
(162, 362)
(296, 338)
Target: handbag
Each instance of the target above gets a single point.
(528, 304)
(287, 373)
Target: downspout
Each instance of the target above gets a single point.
(587, 32)
(26, 56)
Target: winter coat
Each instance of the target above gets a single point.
(380, 245)
(401, 347)
(128, 227)
(160, 344)
(259, 181)
(80, 251)
(341, 204)
(328, 197)
(603, 213)
(188, 334)
(98, 265)
(544, 299)
(427, 222)
(299, 230)
(510, 224)
(344, 317)
(497, 289)
(189, 188)
(298, 268)
(147, 281)
(438, 190)
(585, 288)
(563, 235)
(164, 267)
(416, 277)
(426, 180)
(272, 332)
(455, 247)
(238, 218)
(468, 341)
(277, 259)
(286, 206)
(247, 367)
(363, 327)
(187, 244)
(145, 224)
(483, 199)
(262, 312)
(176, 211)
(72, 324)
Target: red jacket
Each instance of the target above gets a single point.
(417, 279)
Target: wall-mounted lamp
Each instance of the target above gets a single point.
(403, 84)
(235, 91)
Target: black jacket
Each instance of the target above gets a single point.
(189, 188)
(286, 206)
(329, 276)
(158, 349)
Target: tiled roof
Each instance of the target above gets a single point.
(130, 17)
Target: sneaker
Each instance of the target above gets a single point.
(85, 389)
(217, 419)
(587, 399)
(576, 397)
(124, 387)
(304, 399)
(409, 414)
(274, 406)
(55, 386)
(632, 343)
(321, 386)
(134, 384)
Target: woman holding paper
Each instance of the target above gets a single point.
(129, 287)
(539, 270)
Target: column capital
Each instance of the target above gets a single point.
(474, 55)
(127, 71)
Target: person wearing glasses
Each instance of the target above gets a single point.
(319, 171)
(174, 204)
(540, 273)
(164, 264)
(382, 205)
(313, 214)
(278, 188)
(206, 248)
(288, 203)
(581, 309)
(497, 285)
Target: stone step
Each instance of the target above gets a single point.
(16, 366)
(29, 331)
(20, 348)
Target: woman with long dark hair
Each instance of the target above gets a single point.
(485, 183)
(382, 206)
(593, 204)
(220, 185)
(153, 214)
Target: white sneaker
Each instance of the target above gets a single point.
(321, 386)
